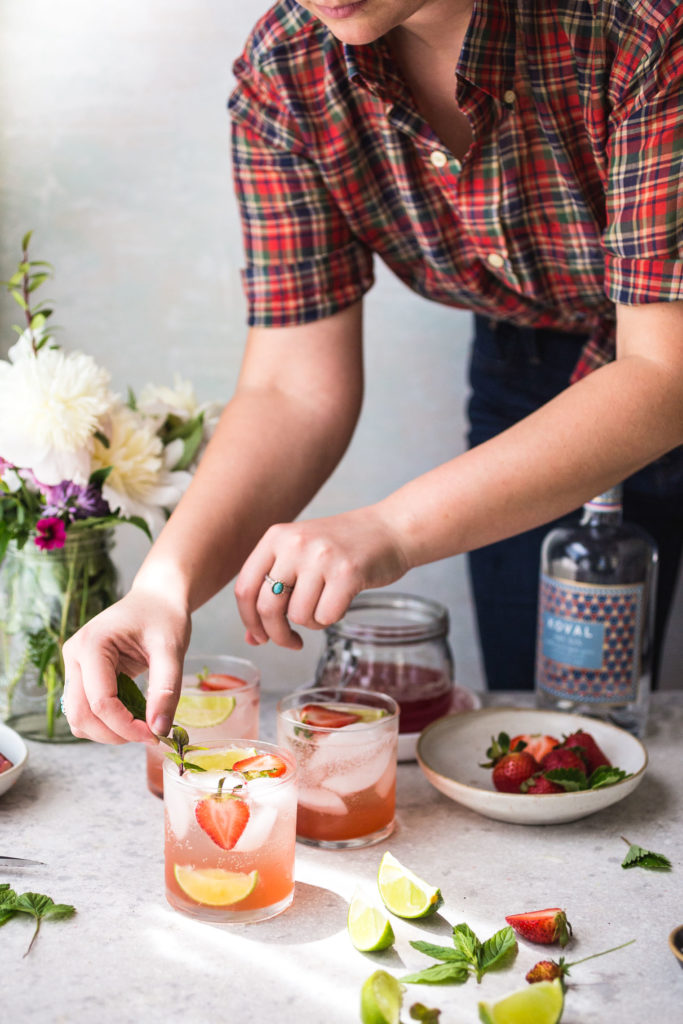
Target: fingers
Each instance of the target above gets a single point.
(93, 711)
(165, 679)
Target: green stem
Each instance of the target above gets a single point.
(34, 937)
(593, 955)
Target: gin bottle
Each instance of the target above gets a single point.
(596, 615)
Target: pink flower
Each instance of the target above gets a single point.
(51, 533)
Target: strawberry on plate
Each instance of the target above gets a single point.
(543, 926)
(223, 817)
(219, 681)
(563, 757)
(535, 743)
(264, 764)
(5, 763)
(592, 754)
(538, 784)
(511, 768)
(327, 717)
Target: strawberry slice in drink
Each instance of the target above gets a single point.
(327, 717)
(265, 764)
(223, 818)
(219, 681)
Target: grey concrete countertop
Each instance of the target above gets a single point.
(126, 957)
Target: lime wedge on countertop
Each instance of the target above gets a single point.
(369, 930)
(541, 1003)
(380, 999)
(403, 893)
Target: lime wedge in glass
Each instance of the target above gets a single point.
(368, 929)
(222, 760)
(215, 887)
(202, 712)
(380, 999)
(537, 1004)
(403, 893)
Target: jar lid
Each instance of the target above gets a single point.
(385, 617)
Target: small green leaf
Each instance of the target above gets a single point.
(572, 780)
(637, 857)
(131, 696)
(19, 298)
(467, 942)
(438, 974)
(606, 775)
(438, 952)
(25, 240)
(499, 949)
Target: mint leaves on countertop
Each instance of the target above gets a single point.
(35, 904)
(467, 956)
(637, 857)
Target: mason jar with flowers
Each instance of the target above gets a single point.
(76, 461)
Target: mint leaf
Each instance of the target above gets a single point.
(39, 906)
(498, 950)
(438, 952)
(637, 857)
(420, 1012)
(571, 779)
(131, 696)
(606, 775)
(467, 942)
(438, 974)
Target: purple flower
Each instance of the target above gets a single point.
(51, 533)
(74, 501)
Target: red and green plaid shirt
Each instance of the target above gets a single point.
(570, 199)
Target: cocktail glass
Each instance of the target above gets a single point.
(345, 743)
(231, 831)
(219, 700)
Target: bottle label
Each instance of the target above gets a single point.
(588, 644)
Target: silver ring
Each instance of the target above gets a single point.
(277, 586)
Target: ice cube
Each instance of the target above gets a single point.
(179, 808)
(259, 827)
(360, 775)
(321, 800)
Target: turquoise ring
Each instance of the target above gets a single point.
(277, 586)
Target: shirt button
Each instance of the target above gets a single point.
(509, 96)
(437, 158)
(494, 259)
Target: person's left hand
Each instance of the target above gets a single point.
(323, 564)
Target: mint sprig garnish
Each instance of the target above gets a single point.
(637, 857)
(35, 904)
(467, 956)
(134, 700)
(573, 780)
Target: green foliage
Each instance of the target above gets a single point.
(467, 956)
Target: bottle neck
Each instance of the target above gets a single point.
(604, 510)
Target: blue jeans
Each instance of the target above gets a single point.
(513, 371)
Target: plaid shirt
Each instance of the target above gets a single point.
(569, 199)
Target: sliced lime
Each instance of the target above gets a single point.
(368, 929)
(201, 712)
(214, 887)
(541, 1003)
(403, 893)
(380, 999)
(221, 760)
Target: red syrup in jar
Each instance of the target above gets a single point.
(423, 693)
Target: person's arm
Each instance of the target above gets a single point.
(591, 436)
(293, 413)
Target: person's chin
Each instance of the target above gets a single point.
(346, 21)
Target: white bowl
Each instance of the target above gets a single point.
(451, 749)
(15, 750)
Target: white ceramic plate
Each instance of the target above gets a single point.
(450, 750)
(14, 748)
(463, 700)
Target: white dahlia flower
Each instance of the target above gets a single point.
(51, 404)
(141, 481)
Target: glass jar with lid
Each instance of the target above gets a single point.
(397, 644)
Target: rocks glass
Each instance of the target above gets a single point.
(345, 744)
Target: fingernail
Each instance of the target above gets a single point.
(161, 725)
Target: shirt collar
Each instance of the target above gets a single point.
(487, 59)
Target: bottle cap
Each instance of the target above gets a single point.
(608, 501)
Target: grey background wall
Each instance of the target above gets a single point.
(114, 150)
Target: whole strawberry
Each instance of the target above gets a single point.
(510, 768)
(543, 926)
(591, 752)
(539, 784)
(563, 757)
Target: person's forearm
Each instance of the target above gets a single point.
(266, 460)
(591, 436)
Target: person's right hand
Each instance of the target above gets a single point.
(142, 631)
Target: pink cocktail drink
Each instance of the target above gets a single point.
(345, 744)
(219, 700)
(231, 832)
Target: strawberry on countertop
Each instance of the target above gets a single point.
(543, 926)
